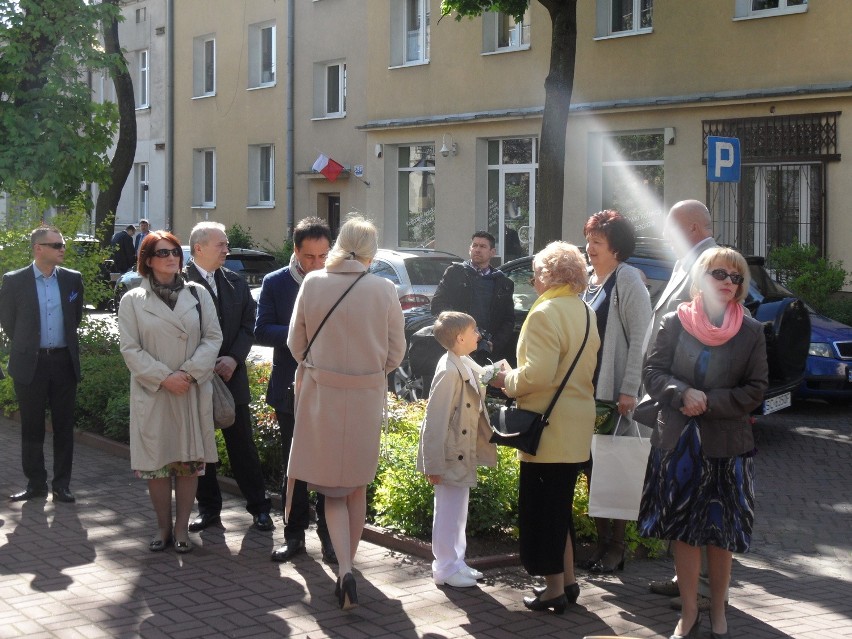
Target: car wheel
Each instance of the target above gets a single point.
(402, 383)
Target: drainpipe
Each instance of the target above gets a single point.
(289, 142)
(170, 114)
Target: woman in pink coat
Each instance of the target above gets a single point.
(342, 385)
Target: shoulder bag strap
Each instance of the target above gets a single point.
(331, 310)
(197, 306)
(573, 364)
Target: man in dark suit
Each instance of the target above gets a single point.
(123, 253)
(235, 308)
(144, 229)
(311, 244)
(41, 307)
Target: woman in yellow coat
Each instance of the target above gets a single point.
(550, 339)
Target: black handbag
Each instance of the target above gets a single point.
(646, 411)
(522, 429)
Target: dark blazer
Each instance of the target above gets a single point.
(123, 254)
(455, 293)
(236, 308)
(19, 317)
(274, 310)
(737, 376)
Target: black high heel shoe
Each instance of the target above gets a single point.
(600, 552)
(557, 604)
(159, 545)
(347, 596)
(608, 564)
(693, 632)
(572, 592)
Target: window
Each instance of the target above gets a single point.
(204, 178)
(765, 8)
(261, 187)
(261, 55)
(416, 195)
(512, 172)
(141, 15)
(141, 173)
(623, 17)
(632, 178)
(330, 90)
(409, 32)
(501, 32)
(142, 81)
(204, 66)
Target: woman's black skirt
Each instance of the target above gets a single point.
(545, 497)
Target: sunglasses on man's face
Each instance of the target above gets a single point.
(54, 245)
(175, 252)
(721, 275)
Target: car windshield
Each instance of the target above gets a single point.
(424, 271)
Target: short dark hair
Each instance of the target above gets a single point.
(312, 228)
(617, 230)
(130, 227)
(149, 245)
(486, 235)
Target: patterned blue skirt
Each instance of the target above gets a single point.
(697, 499)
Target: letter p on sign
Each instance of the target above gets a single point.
(723, 159)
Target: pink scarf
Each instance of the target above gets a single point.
(695, 321)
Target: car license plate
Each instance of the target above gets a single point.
(776, 403)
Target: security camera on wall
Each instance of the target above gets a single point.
(378, 150)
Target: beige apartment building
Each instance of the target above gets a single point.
(436, 121)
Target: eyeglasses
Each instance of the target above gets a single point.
(175, 252)
(54, 245)
(721, 275)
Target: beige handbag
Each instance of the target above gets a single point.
(224, 410)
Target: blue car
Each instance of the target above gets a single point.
(828, 371)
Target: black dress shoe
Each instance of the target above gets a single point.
(29, 493)
(328, 554)
(203, 521)
(64, 495)
(572, 592)
(557, 604)
(290, 549)
(263, 522)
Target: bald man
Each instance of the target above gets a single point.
(689, 230)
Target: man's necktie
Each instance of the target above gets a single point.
(211, 280)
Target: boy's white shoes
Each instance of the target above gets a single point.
(472, 572)
(460, 579)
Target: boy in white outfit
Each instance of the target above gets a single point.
(453, 441)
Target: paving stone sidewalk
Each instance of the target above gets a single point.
(84, 570)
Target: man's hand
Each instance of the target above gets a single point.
(626, 403)
(434, 479)
(225, 367)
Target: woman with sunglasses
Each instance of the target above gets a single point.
(707, 370)
(170, 339)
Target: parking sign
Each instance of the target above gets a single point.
(723, 159)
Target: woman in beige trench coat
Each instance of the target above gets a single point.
(342, 386)
(169, 340)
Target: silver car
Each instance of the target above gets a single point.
(415, 272)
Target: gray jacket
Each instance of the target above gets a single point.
(736, 378)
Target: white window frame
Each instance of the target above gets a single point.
(743, 10)
(422, 171)
(204, 66)
(143, 79)
(204, 178)
(261, 176)
(322, 95)
(401, 39)
(257, 60)
(603, 23)
(492, 26)
(504, 170)
(142, 189)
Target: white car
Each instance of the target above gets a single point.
(415, 272)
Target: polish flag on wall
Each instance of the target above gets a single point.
(328, 167)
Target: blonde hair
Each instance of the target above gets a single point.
(357, 239)
(731, 258)
(449, 325)
(561, 263)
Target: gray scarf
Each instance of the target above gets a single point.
(296, 269)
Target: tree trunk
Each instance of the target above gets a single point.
(125, 148)
(557, 101)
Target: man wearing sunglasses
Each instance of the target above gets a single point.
(41, 307)
(236, 309)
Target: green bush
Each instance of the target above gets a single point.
(239, 237)
(812, 278)
(266, 437)
(104, 378)
(117, 418)
(281, 252)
